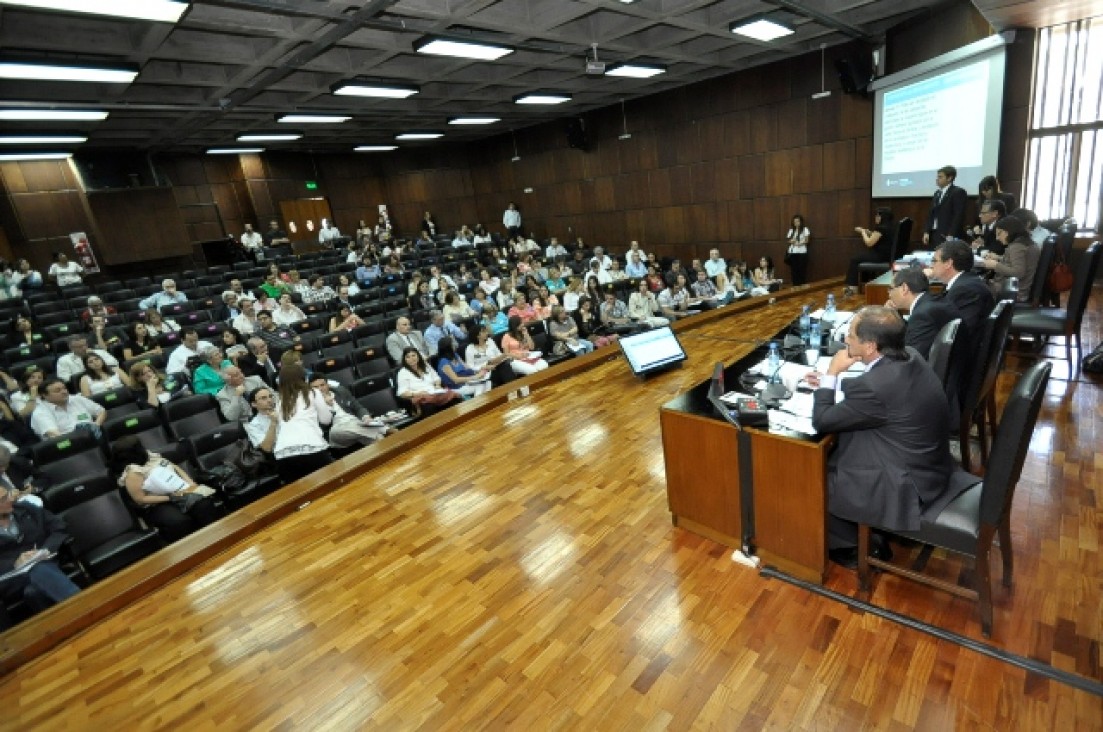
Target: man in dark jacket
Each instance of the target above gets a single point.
(926, 315)
(29, 535)
(893, 458)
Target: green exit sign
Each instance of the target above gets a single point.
(311, 185)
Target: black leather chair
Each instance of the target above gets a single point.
(900, 245)
(978, 403)
(63, 496)
(105, 537)
(971, 521)
(1045, 261)
(1065, 322)
(66, 456)
(212, 448)
(942, 350)
(191, 415)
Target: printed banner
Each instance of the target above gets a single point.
(85, 257)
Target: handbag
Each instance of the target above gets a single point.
(226, 476)
(1060, 275)
(246, 458)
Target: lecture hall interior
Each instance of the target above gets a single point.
(512, 561)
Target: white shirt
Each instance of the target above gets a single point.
(511, 219)
(257, 428)
(714, 267)
(48, 417)
(178, 361)
(554, 251)
(604, 261)
(328, 234)
(67, 275)
(71, 364)
(476, 359)
(302, 433)
(408, 383)
(252, 240)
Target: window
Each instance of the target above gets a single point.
(1065, 142)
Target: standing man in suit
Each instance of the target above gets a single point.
(947, 216)
(893, 459)
(926, 315)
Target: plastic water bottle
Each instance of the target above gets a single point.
(815, 336)
(773, 364)
(829, 310)
(805, 322)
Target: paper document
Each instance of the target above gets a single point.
(780, 420)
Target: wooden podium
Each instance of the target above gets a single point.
(789, 476)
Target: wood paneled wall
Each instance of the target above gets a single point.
(725, 163)
(145, 224)
(43, 202)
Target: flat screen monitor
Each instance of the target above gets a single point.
(652, 350)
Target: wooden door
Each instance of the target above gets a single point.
(302, 217)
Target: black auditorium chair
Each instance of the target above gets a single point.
(147, 426)
(62, 496)
(978, 402)
(76, 453)
(117, 402)
(900, 243)
(382, 401)
(971, 522)
(214, 447)
(336, 368)
(942, 350)
(105, 537)
(191, 415)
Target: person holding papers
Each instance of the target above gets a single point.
(893, 458)
(29, 537)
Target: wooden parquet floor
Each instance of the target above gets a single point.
(522, 573)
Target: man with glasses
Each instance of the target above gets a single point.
(966, 294)
(926, 315)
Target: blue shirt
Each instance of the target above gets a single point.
(162, 298)
(636, 270)
(434, 334)
(458, 367)
(499, 323)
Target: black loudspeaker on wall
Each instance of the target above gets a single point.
(577, 137)
(855, 72)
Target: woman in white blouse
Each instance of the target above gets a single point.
(421, 385)
(287, 313)
(483, 352)
(644, 308)
(301, 446)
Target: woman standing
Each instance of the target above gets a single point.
(796, 256)
(301, 446)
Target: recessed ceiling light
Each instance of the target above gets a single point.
(21, 157)
(474, 120)
(368, 89)
(440, 46)
(312, 119)
(419, 135)
(542, 98)
(168, 11)
(761, 29)
(636, 71)
(234, 150)
(42, 139)
(375, 148)
(67, 72)
(269, 136)
(51, 115)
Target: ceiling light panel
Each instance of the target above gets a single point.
(234, 150)
(375, 148)
(368, 89)
(761, 29)
(64, 72)
(439, 46)
(419, 135)
(636, 71)
(29, 156)
(51, 115)
(312, 119)
(269, 136)
(542, 98)
(42, 139)
(166, 11)
(474, 120)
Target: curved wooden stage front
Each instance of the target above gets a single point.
(511, 564)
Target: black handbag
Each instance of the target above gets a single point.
(246, 458)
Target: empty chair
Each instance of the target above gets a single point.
(190, 415)
(978, 401)
(1041, 272)
(60, 497)
(66, 456)
(969, 524)
(117, 402)
(338, 368)
(900, 243)
(1064, 322)
(106, 537)
(147, 426)
(25, 353)
(382, 402)
(942, 349)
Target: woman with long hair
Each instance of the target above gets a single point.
(589, 325)
(518, 345)
(1019, 259)
(99, 377)
(764, 277)
(167, 497)
(141, 343)
(344, 319)
(455, 374)
(420, 385)
(29, 393)
(158, 325)
(151, 388)
(878, 247)
(796, 255)
(301, 446)
(23, 333)
(483, 353)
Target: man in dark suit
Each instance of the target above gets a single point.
(893, 459)
(984, 234)
(926, 315)
(258, 362)
(947, 216)
(966, 294)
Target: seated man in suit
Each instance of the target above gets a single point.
(967, 295)
(926, 315)
(258, 362)
(352, 423)
(405, 336)
(984, 234)
(893, 459)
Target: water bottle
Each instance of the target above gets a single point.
(773, 364)
(829, 310)
(815, 336)
(805, 322)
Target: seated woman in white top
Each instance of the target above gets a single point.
(644, 308)
(455, 309)
(483, 353)
(301, 446)
(99, 377)
(165, 494)
(574, 291)
(287, 313)
(420, 385)
(158, 325)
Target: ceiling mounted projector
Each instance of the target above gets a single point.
(593, 66)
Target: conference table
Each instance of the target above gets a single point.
(707, 477)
